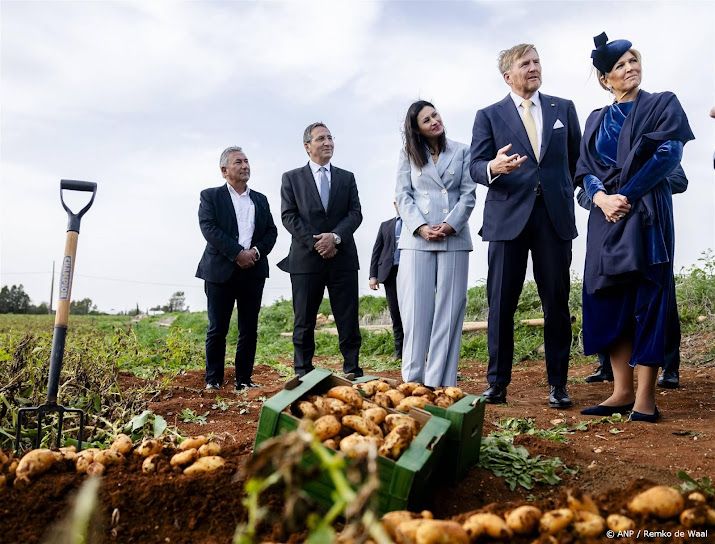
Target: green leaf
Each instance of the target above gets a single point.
(322, 535)
(137, 422)
(159, 426)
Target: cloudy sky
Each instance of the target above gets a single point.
(141, 97)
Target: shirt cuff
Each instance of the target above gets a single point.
(257, 252)
(489, 175)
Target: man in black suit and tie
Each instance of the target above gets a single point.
(529, 207)
(383, 269)
(320, 208)
(239, 230)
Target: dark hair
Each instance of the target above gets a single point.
(307, 136)
(415, 143)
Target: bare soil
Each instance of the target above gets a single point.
(173, 508)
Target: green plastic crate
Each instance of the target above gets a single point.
(404, 482)
(464, 438)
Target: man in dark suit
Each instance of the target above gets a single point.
(239, 230)
(320, 208)
(383, 269)
(670, 377)
(529, 207)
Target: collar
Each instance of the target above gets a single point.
(314, 167)
(535, 99)
(233, 191)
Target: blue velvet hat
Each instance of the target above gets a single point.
(606, 54)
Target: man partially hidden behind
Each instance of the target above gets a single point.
(239, 231)
(384, 264)
(524, 149)
(320, 208)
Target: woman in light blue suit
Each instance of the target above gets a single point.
(435, 197)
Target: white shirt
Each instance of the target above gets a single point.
(538, 121)
(245, 215)
(315, 168)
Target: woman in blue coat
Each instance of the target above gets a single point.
(435, 197)
(628, 150)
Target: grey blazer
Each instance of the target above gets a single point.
(437, 193)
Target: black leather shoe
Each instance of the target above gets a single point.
(496, 394)
(601, 410)
(240, 386)
(599, 376)
(646, 418)
(669, 380)
(559, 397)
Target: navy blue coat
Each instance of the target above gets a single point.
(511, 197)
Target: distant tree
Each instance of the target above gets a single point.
(82, 307)
(134, 311)
(14, 300)
(42, 308)
(176, 303)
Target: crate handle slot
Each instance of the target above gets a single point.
(432, 443)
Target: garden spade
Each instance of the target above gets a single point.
(61, 319)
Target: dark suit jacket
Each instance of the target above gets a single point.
(511, 197)
(217, 219)
(383, 253)
(303, 216)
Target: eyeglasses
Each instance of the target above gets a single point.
(322, 138)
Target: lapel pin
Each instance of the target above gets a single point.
(552, 104)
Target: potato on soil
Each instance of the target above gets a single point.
(337, 407)
(367, 388)
(422, 391)
(524, 520)
(331, 443)
(587, 524)
(578, 501)
(617, 522)
(394, 420)
(151, 464)
(377, 415)
(3, 481)
(661, 501)
(108, 457)
(697, 497)
(411, 402)
(437, 531)
(193, 443)
(208, 449)
(554, 521)
(122, 443)
(149, 446)
(392, 520)
(12, 468)
(95, 469)
(308, 410)
(69, 453)
(4, 458)
(694, 517)
(184, 458)
(396, 442)
(710, 516)
(326, 427)
(346, 394)
(84, 459)
(205, 464)
(406, 532)
(34, 463)
(484, 524)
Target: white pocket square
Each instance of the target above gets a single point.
(558, 124)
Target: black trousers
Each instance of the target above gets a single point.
(308, 292)
(390, 284)
(551, 257)
(244, 290)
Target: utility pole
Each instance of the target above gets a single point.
(52, 286)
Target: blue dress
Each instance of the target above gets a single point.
(628, 278)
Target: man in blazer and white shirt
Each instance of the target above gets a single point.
(320, 207)
(384, 264)
(526, 153)
(239, 231)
